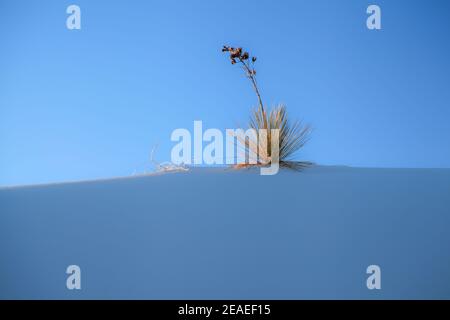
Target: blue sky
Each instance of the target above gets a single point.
(91, 103)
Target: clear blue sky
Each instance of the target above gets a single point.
(91, 103)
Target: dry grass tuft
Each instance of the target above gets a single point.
(292, 137)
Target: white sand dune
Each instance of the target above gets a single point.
(218, 234)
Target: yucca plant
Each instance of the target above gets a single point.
(292, 136)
